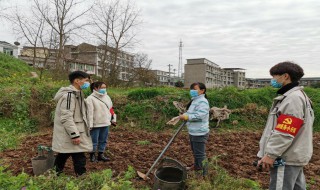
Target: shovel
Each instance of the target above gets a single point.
(145, 176)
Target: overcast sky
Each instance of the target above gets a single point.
(249, 34)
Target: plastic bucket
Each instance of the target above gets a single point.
(170, 175)
(42, 162)
(39, 165)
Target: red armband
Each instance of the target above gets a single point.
(289, 124)
(112, 111)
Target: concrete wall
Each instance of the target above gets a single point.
(194, 73)
(40, 52)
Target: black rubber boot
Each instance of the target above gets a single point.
(103, 158)
(92, 157)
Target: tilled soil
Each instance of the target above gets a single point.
(236, 152)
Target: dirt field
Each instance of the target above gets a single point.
(236, 151)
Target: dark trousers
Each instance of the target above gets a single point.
(79, 162)
(198, 147)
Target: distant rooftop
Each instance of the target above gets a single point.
(234, 69)
(4, 42)
(8, 44)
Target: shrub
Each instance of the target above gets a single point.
(142, 94)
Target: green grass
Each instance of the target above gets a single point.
(218, 178)
(103, 180)
(10, 66)
(145, 142)
(9, 135)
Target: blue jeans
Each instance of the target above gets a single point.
(99, 136)
(198, 147)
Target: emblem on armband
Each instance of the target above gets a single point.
(289, 124)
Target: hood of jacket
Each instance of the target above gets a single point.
(64, 90)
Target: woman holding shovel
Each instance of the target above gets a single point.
(101, 116)
(197, 118)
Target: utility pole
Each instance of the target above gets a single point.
(180, 59)
(174, 73)
(169, 73)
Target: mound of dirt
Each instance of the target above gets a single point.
(237, 151)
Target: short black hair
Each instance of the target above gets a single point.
(96, 85)
(294, 70)
(78, 75)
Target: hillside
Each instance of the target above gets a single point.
(10, 65)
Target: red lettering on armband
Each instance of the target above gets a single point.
(289, 124)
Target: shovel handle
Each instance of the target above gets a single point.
(165, 149)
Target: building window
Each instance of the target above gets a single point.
(72, 65)
(8, 51)
(80, 66)
(89, 67)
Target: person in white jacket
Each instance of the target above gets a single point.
(71, 135)
(100, 116)
(287, 136)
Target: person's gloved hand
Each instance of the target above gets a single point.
(184, 117)
(113, 123)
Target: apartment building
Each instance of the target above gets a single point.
(8, 49)
(212, 75)
(42, 58)
(233, 77)
(162, 77)
(85, 57)
(101, 58)
(202, 70)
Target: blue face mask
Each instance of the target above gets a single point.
(85, 85)
(275, 84)
(102, 91)
(194, 93)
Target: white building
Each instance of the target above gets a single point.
(9, 49)
(162, 76)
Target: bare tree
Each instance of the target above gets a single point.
(101, 18)
(29, 28)
(142, 74)
(117, 22)
(61, 16)
(35, 31)
(2, 12)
